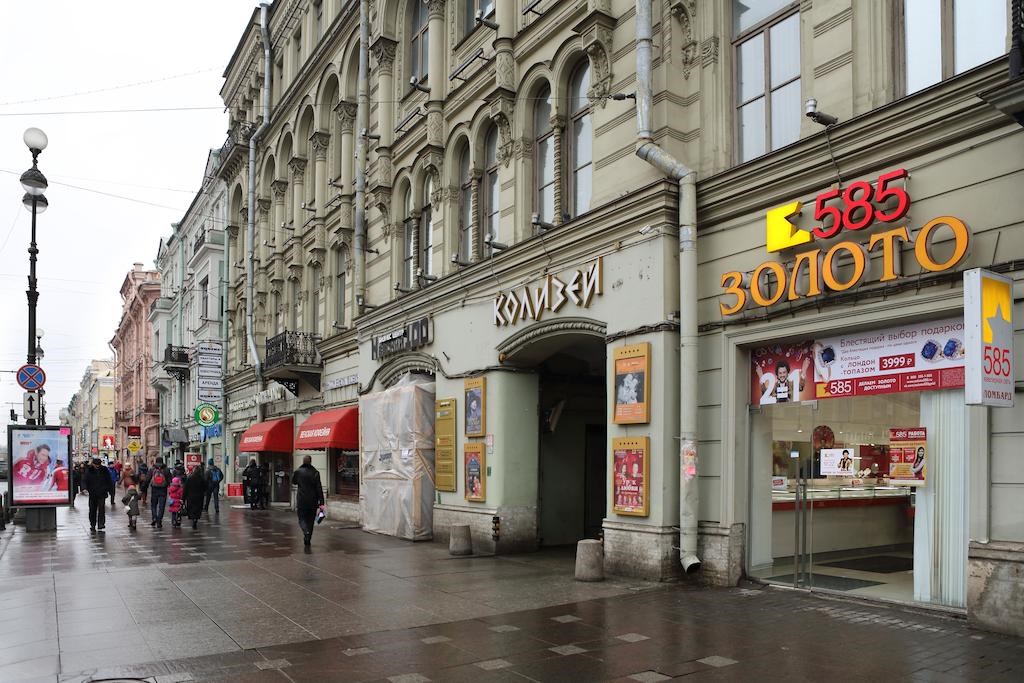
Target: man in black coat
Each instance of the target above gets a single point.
(97, 483)
(309, 497)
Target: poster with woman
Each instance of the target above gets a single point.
(908, 456)
(476, 406)
(630, 476)
(38, 466)
(475, 472)
(632, 384)
(782, 373)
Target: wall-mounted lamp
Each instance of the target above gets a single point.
(811, 111)
(498, 246)
(361, 302)
(541, 226)
(415, 83)
(402, 290)
(459, 262)
(484, 21)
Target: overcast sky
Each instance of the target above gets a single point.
(54, 57)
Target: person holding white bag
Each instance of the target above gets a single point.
(309, 498)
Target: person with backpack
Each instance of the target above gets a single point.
(131, 501)
(214, 476)
(115, 476)
(143, 481)
(159, 480)
(250, 482)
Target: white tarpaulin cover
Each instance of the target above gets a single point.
(397, 460)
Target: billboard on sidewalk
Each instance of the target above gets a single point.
(38, 466)
(988, 314)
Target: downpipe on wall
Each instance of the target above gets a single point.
(250, 228)
(652, 153)
(362, 126)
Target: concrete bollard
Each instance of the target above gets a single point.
(589, 560)
(460, 542)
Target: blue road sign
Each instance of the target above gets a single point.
(31, 377)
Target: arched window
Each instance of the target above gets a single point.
(490, 189)
(315, 285)
(293, 305)
(408, 255)
(419, 40)
(581, 137)
(340, 286)
(544, 170)
(427, 230)
(465, 206)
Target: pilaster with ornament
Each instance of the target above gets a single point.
(476, 239)
(685, 12)
(597, 30)
(320, 141)
(558, 128)
(263, 232)
(297, 167)
(501, 108)
(383, 50)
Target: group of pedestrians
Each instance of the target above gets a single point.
(184, 495)
(255, 485)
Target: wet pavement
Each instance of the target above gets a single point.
(240, 600)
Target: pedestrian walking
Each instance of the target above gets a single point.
(159, 480)
(179, 470)
(214, 476)
(143, 481)
(115, 476)
(98, 485)
(309, 499)
(131, 501)
(250, 482)
(76, 481)
(175, 494)
(195, 494)
(264, 485)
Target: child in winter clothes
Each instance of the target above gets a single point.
(131, 501)
(175, 493)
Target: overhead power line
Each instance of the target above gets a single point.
(109, 88)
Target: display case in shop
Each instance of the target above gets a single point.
(828, 494)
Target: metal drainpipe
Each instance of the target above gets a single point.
(362, 126)
(653, 154)
(222, 278)
(181, 323)
(250, 230)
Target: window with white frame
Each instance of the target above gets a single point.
(581, 140)
(465, 205)
(490, 206)
(544, 161)
(339, 285)
(204, 300)
(427, 230)
(767, 76)
(943, 38)
(419, 40)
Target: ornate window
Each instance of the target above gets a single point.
(491, 190)
(427, 230)
(419, 40)
(408, 252)
(339, 286)
(544, 169)
(580, 140)
(465, 205)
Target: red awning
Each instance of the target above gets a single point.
(274, 436)
(338, 428)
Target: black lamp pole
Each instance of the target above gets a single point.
(33, 295)
(35, 185)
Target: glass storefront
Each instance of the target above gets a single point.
(827, 514)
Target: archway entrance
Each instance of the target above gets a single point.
(573, 432)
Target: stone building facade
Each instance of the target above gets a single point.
(522, 253)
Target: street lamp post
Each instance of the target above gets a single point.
(35, 185)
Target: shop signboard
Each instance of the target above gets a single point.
(410, 337)
(531, 303)
(988, 319)
(38, 466)
(210, 348)
(444, 444)
(192, 461)
(630, 485)
(209, 395)
(208, 371)
(908, 456)
(782, 373)
(209, 383)
(837, 462)
(917, 357)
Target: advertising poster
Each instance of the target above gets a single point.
(192, 461)
(38, 466)
(919, 357)
(988, 316)
(782, 373)
(445, 444)
(908, 456)
(632, 384)
(837, 462)
(476, 406)
(630, 481)
(475, 472)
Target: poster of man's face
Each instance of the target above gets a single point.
(39, 467)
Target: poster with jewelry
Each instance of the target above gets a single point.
(630, 470)
(476, 406)
(632, 384)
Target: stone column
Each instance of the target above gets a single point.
(278, 189)
(437, 79)
(558, 127)
(476, 233)
(263, 234)
(347, 117)
(297, 166)
(320, 142)
(384, 54)
(504, 62)
(413, 224)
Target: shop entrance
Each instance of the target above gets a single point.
(280, 466)
(572, 442)
(826, 515)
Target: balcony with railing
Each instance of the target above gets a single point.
(122, 416)
(236, 144)
(176, 361)
(293, 356)
(152, 406)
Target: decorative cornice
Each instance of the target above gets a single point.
(556, 327)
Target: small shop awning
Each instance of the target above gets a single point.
(273, 435)
(338, 428)
(175, 435)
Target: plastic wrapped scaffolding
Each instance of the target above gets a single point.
(397, 460)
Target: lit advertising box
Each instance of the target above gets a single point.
(38, 460)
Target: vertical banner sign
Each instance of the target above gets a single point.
(633, 384)
(631, 474)
(988, 317)
(908, 456)
(476, 406)
(444, 444)
(475, 472)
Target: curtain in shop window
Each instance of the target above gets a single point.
(940, 527)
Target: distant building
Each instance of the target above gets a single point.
(137, 406)
(90, 412)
